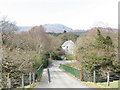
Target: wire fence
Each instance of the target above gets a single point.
(38, 74)
(21, 80)
(71, 70)
(100, 76)
(93, 76)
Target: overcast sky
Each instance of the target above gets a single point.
(77, 14)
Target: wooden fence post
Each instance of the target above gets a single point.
(33, 77)
(81, 74)
(108, 79)
(0, 81)
(9, 83)
(94, 76)
(30, 78)
(84, 75)
(22, 80)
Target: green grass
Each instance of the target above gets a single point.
(68, 64)
(93, 85)
(30, 86)
(113, 84)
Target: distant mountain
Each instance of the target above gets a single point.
(54, 28)
(24, 28)
(57, 28)
(107, 29)
(78, 30)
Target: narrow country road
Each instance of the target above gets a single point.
(59, 78)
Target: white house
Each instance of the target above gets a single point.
(68, 46)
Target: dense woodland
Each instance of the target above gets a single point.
(24, 52)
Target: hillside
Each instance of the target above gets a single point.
(24, 28)
(106, 30)
(57, 28)
(54, 28)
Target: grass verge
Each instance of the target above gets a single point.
(33, 85)
(30, 86)
(113, 84)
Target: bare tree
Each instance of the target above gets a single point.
(7, 26)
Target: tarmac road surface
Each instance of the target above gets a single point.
(59, 78)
